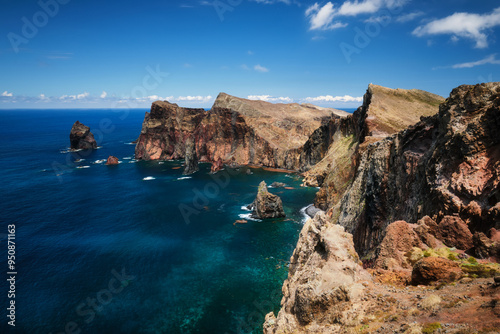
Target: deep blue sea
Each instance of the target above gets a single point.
(137, 247)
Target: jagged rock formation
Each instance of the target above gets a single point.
(266, 205)
(438, 180)
(235, 131)
(112, 160)
(384, 112)
(447, 164)
(81, 138)
(326, 284)
(191, 159)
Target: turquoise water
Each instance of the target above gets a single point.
(134, 248)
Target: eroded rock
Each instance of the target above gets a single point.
(266, 205)
(81, 138)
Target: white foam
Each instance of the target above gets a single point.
(149, 178)
(245, 208)
(129, 143)
(100, 161)
(127, 158)
(304, 215)
(184, 178)
(132, 162)
(81, 167)
(248, 216)
(161, 162)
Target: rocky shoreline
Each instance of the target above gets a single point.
(409, 203)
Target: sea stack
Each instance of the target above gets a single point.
(112, 160)
(81, 138)
(266, 205)
(191, 159)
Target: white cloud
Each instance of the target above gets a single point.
(6, 94)
(193, 98)
(103, 95)
(323, 18)
(464, 25)
(488, 60)
(82, 96)
(260, 68)
(269, 98)
(330, 98)
(245, 67)
(409, 17)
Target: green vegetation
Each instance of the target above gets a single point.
(431, 328)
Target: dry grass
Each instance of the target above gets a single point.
(431, 303)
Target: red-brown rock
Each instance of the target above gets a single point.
(454, 232)
(217, 166)
(434, 269)
(112, 160)
(399, 239)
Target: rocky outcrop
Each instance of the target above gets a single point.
(235, 131)
(191, 159)
(447, 164)
(112, 160)
(437, 179)
(81, 138)
(325, 285)
(384, 112)
(266, 205)
(435, 269)
(217, 166)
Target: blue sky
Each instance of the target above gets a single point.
(126, 54)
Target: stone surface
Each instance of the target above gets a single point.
(217, 166)
(435, 168)
(266, 205)
(112, 160)
(454, 232)
(483, 246)
(81, 138)
(400, 238)
(191, 159)
(235, 130)
(325, 282)
(435, 269)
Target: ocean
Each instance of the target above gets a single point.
(137, 247)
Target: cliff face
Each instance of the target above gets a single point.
(235, 131)
(447, 164)
(384, 112)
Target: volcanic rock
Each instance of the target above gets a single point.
(325, 281)
(112, 160)
(434, 269)
(454, 232)
(191, 159)
(217, 166)
(236, 131)
(266, 205)
(81, 138)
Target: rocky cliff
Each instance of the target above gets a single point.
(237, 131)
(418, 203)
(447, 164)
